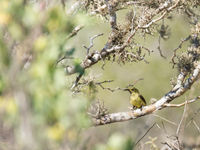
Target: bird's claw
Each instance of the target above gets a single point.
(131, 108)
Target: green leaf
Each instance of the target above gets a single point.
(70, 52)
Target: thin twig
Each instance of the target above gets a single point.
(91, 42)
(62, 58)
(171, 122)
(133, 3)
(195, 124)
(153, 21)
(182, 104)
(109, 89)
(164, 127)
(195, 114)
(180, 126)
(179, 46)
(145, 134)
(143, 47)
(106, 81)
(118, 88)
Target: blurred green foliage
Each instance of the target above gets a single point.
(41, 33)
(117, 142)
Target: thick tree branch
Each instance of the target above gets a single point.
(113, 16)
(160, 104)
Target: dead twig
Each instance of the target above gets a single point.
(91, 43)
(180, 128)
(182, 104)
(175, 50)
(145, 134)
(195, 124)
(118, 88)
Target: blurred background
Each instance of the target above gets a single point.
(39, 111)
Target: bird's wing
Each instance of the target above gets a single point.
(143, 99)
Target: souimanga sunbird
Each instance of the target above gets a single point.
(136, 99)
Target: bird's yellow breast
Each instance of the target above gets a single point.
(136, 101)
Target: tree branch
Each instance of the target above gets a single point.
(182, 104)
(107, 50)
(160, 104)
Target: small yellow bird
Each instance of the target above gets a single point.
(136, 100)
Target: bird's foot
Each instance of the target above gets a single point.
(131, 108)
